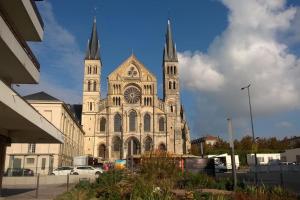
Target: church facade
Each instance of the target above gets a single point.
(132, 119)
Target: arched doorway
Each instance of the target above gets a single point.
(102, 151)
(116, 147)
(133, 146)
(162, 147)
(148, 143)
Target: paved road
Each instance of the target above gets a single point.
(20, 192)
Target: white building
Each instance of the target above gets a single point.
(20, 122)
(263, 158)
(43, 158)
(291, 155)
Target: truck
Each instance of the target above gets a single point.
(223, 162)
(84, 161)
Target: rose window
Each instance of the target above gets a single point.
(132, 95)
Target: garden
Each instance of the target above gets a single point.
(159, 178)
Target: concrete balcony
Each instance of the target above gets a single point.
(25, 18)
(18, 64)
(20, 122)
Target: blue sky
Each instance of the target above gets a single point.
(222, 45)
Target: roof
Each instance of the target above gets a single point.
(93, 49)
(209, 137)
(40, 96)
(77, 110)
(170, 53)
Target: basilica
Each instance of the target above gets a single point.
(132, 120)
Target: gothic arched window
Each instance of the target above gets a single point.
(168, 70)
(170, 85)
(132, 121)
(147, 122)
(102, 151)
(161, 124)
(148, 143)
(89, 86)
(95, 85)
(117, 123)
(91, 106)
(174, 69)
(174, 85)
(116, 144)
(162, 147)
(102, 124)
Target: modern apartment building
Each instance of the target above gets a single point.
(43, 158)
(20, 22)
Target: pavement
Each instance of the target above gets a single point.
(21, 192)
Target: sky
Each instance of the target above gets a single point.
(222, 46)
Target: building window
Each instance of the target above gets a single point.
(43, 163)
(95, 86)
(30, 160)
(168, 70)
(161, 124)
(90, 106)
(162, 147)
(116, 144)
(174, 69)
(31, 148)
(147, 122)
(132, 121)
(117, 123)
(170, 85)
(174, 85)
(148, 143)
(102, 124)
(102, 151)
(89, 86)
(261, 159)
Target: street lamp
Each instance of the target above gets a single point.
(251, 118)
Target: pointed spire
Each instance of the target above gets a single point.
(170, 53)
(93, 50)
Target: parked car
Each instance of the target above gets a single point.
(287, 163)
(86, 170)
(19, 172)
(62, 171)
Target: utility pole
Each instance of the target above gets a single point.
(252, 128)
(230, 132)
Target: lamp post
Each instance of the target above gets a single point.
(252, 129)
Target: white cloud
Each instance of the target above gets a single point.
(61, 60)
(201, 74)
(248, 51)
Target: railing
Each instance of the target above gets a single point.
(20, 39)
